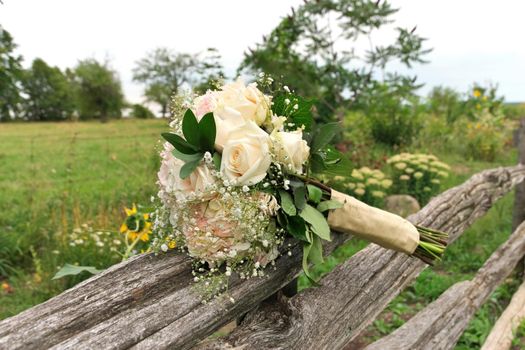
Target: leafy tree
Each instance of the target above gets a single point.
(98, 90)
(164, 73)
(49, 93)
(10, 76)
(210, 70)
(313, 51)
(141, 112)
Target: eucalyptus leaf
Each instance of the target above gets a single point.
(316, 251)
(179, 143)
(296, 226)
(317, 222)
(287, 203)
(306, 252)
(324, 135)
(314, 193)
(71, 270)
(208, 132)
(329, 205)
(190, 128)
(188, 168)
(299, 197)
(187, 157)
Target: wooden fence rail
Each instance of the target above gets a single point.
(149, 302)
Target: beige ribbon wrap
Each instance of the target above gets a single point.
(375, 225)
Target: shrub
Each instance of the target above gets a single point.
(445, 102)
(367, 185)
(483, 140)
(394, 114)
(417, 175)
(141, 112)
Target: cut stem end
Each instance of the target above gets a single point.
(432, 245)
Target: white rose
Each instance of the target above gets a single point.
(246, 156)
(249, 101)
(170, 181)
(226, 118)
(291, 150)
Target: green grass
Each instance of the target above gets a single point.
(54, 178)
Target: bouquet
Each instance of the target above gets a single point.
(238, 175)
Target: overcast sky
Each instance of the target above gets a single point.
(478, 40)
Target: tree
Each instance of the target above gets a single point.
(10, 76)
(314, 51)
(141, 112)
(98, 91)
(165, 73)
(49, 93)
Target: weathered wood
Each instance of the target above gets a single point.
(518, 215)
(440, 325)
(133, 300)
(149, 302)
(501, 335)
(354, 294)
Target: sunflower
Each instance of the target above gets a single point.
(136, 225)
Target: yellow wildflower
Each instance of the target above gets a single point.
(136, 225)
(360, 191)
(386, 183)
(477, 93)
(378, 194)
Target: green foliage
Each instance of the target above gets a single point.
(199, 138)
(98, 90)
(165, 73)
(10, 75)
(445, 102)
(141, 112)
(418, 175)
(394, 113)
(306, 53)
(368, 185)
(49, 93)
(73, 270)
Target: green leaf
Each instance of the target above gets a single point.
(287, 203)
(329, 205)
(70, 270)
(208, 132)
(324, 135)
(314, 193)
(188, 168)
(298, 117)
(179, 143)
(317, 163)
(190, 128)
(317, 222)
(299, 197)
(296, 226)
(217, 160)
(316, 251)
(187, 157)
(306, 252)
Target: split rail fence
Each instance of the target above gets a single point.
(148, 302)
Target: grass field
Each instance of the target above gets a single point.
(56, 177)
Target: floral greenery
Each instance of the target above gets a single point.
(368, 185)
(418, 175)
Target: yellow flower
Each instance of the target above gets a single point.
(372, 181)
(477, 93)
(386, 183)
(404, 177)
(401, 166)
(378, 194)
(172, 244)
(360, 191)
(136, 225)
(418, 175)
(132, 211)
